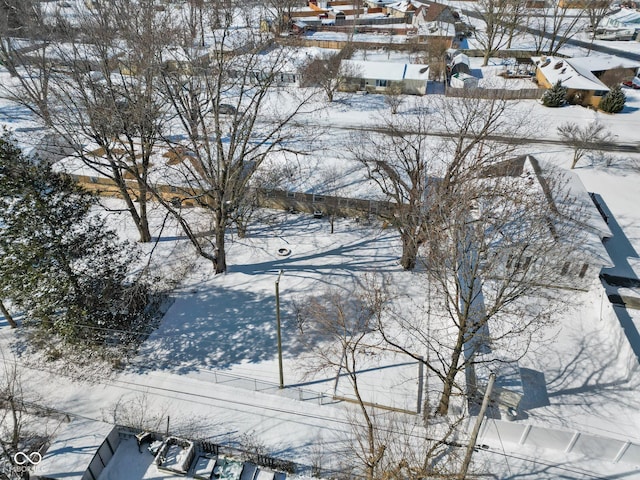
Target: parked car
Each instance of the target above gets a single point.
(226, 109)
(635, 83)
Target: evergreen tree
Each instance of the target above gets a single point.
(59, 263)
(613, 102)
(556, 96)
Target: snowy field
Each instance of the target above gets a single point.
(212, 363)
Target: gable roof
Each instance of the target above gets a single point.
(560, 70)
(432, 10)
(577, 73)
(570, 193)
(392, 71)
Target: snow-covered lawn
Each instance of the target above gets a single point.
(226, 324)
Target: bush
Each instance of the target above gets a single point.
(613, 102)
(555, 97)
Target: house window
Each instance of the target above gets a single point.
(381, 83)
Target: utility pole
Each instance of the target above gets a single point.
(278, 327)
(476, 428)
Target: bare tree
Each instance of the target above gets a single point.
(227, 121)
(337, 331)
(518, 20)
(595, 11)
(434, 55)
(584, 139)
(496, 15)
(12, 397)
(281, 11)
(16, 427)
(26, 57)
(398, 161)
(474, 232)
(16, 20)
(393, 97)
(329, 73)
(106, 107)
(138, 412)
(406, 161)
(494, 248)
(555, 25)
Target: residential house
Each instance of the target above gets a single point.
(623, 23)
(580, 75)
(434, 19)
(379, 77)
(581, 269)
(403, 9)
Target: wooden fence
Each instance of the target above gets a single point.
(276, 199)
(491, 93)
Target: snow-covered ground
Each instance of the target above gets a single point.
(213, 359)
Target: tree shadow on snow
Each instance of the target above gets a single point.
(217, 328)
(214, 328)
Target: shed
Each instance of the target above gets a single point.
(463, 80)
(299, 27)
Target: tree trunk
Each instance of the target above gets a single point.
(576, 159)
(141, 222)
(221, 260)
(409, 252)
(449, 382)
(486, 57)
(145, 233)
(12, 323)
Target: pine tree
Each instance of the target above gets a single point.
(60, 265)
(556, 96)
(613, 102)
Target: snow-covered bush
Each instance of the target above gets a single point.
(556, 96)
(613, 102)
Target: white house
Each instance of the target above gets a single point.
(380, 76)
(621, 25)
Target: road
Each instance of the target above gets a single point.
(622, 147)
(571, 41)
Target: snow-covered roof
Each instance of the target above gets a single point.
(625, 17)
(387, 70)
(560, 69)
(599, 63)
(573, 191)
(404, 6)
(577, 72)
(459, 58)
(73, 449)
(436, 28)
